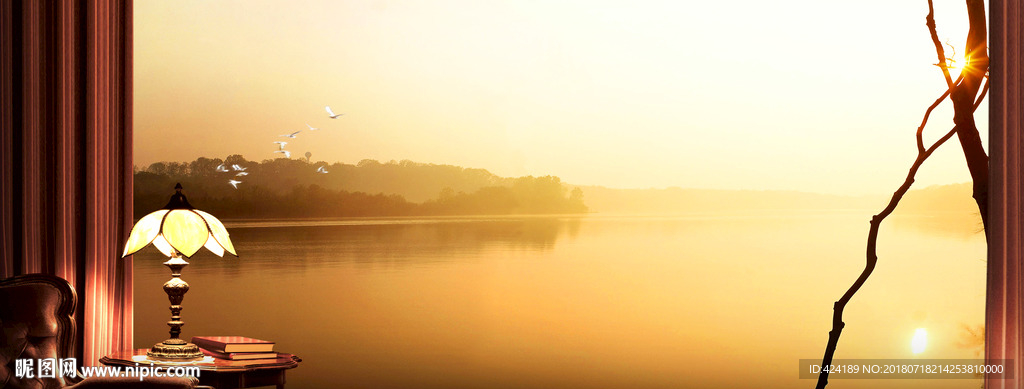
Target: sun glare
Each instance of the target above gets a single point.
(956, 66)
(920, 341)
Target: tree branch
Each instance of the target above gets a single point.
(964, 93)
(872, 254)
(930, 22)
(920, 129)
(872, 259)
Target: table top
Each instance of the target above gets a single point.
(138, 356)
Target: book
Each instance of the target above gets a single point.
(246, 362)
(237, 356)
(233, 344)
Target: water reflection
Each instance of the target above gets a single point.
(302, 246)
(948, 225)
(582, 302)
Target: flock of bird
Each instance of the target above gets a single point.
(234, 167)
(280, 149)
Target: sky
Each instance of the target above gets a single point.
(808, 95)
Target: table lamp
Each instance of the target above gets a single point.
(178, 231)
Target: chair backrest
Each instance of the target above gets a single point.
(36, 322)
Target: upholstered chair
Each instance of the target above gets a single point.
(37, 322)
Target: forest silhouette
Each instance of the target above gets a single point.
(293, 188)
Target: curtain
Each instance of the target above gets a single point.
(1004, 306)
(65, 184)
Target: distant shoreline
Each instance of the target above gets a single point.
(407, 220)
(290, 189)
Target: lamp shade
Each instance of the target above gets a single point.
(179, 228)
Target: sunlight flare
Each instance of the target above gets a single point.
(920, 341)
(957, 64)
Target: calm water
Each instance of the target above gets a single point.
(579, 302)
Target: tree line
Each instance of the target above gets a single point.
(294, 188)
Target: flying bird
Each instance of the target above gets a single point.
(237, 168)
(311, 128)
(292, 135)
(321, 170)
(241, 174)
(331, 113)
(221, 168)
(281, 144)
(234, 183)
(287, 154)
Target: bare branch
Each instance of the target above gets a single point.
(872, 258)
(872, 255)
(930, 21)
(962, 93)
(920, 129)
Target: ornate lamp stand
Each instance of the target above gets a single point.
(178, 230)
(175, 349)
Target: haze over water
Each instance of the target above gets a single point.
(732, 300)
(788, 95)
(806, 95)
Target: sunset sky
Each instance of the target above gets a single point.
(818, 96)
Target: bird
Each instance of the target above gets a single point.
(287, 154)
(241, 174)
(221, 168)
(331, 113)
(237, 168)
(292, 135)
(321, 170)
(281, 144)
(234, 183)
(311, 128)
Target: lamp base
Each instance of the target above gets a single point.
(175, 350)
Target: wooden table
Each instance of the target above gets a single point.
(218, 373)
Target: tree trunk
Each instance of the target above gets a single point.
(963, 104)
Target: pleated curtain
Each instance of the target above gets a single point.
(66, 179)
(1004, 307)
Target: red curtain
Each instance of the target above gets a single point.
(1004, 306)
(66, 152)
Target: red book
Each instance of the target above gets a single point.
(233, 344)
(237, 356)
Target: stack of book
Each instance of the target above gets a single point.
(236, 348)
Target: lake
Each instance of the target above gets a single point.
(594, 301)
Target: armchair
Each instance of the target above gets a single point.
(37, 322)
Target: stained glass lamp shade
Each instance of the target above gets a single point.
(178, 231)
